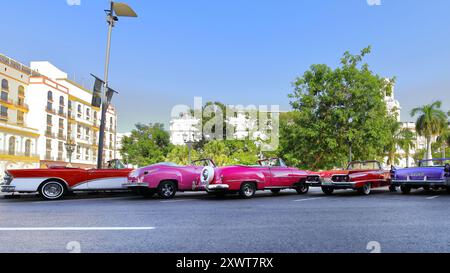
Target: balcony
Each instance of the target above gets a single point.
(61, 136)
(50, 134)
(20, 154)
(61, 113)
(50, 110)
(22, 105)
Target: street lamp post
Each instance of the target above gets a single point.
(112, 16)
(350, 121)
(189, 140)
(70, 148)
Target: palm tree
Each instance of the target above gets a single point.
(406, 143)
(430, 123)
(444, 140)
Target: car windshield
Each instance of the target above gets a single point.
(116, 164)
(367, 165)
(438, 162)
(203, 163)
(272, 162)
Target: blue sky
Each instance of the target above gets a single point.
(234, 51)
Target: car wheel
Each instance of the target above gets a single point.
(405, 189)
(365, 189)
(303, 189)
(392, 188)
(146, 193)
(167, 190)
(52, 190)
(328, 190)
(248, 190)
(275, 191)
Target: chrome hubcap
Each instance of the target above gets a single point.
(53, 190)
(248, 190)
(167, 190)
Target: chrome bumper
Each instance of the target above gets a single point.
(217, 187)
(442, 182)
(5, 188)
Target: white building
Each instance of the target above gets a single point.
(393, 105)
(61, 111)
(184, 128)
(18, 138)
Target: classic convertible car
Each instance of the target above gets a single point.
(427, 176)
(361, 176)
(166, 179)
(271, 174)
(55, 182)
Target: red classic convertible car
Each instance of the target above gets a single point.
(271, 174)
(166, 179)
(361, 176)
(55, 182)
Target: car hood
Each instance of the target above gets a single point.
(420, 173)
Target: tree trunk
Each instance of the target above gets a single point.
(443, 150)
(407, 159)
(429, 155)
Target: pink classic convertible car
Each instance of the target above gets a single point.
(271, 174)
(166, 179)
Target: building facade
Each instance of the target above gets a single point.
(41, 110)
(18, 139)
(61, 110)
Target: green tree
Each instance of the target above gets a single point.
(180, 154)
(147, 144)
(335, 109)
(431, 122)
(406, 143)
(443, 140)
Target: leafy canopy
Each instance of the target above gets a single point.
(333, 110)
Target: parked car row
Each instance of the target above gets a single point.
(166, 179)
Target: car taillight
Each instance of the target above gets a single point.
(313, 178)
(341, 178)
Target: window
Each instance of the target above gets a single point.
(3, 112)
(12, 146)
(49, 120)
(61, 123)
(48, 148)
(60, 151)
(28, 147)
(80, 112)
(78, 131)
(20, 117)
(61, 106)
(4, 95)
(50, 96)
(21, 91)
(5, 85)
(78, 152)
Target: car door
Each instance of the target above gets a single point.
(107, 179)
(280, 176)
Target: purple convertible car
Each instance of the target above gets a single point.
(431, 174)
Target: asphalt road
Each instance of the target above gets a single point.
(195, 222)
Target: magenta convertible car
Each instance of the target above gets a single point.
(166, 179)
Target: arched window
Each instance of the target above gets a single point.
(21, 91)
(5, 85)
(61, 101)
(49, 96)
(12, 146)
(79, 111)
(28, 147)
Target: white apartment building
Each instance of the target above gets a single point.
(61, 111)
(18, 140)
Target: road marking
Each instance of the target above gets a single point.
(309, 199)
(432, 197)
(75, 228)
(173, 201)
(82, 199)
